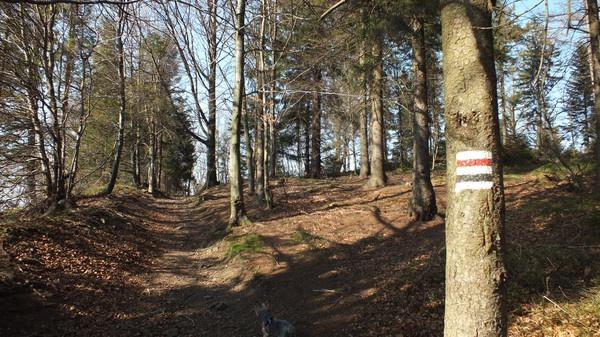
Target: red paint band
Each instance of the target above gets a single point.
(474, 162)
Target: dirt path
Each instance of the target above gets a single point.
(326, 251)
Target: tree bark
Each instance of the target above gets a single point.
(249, 151)
(594, 27)
(475, 273)
(307, 140)
(211, 162)
(363, 123)
(315, 151)
(152, 155)
(262, 175)
(122, 103)
(423, 207)
(378, 177)
(238, 213)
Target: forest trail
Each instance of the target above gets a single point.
(333, 257)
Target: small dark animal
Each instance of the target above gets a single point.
(270, 326)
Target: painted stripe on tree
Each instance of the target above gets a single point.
(466, 155)
(464, 170)
(474, 162)
(473, 170)
(473, 185)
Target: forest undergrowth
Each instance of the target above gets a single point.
(334, 257)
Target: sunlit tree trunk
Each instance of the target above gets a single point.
(594, 27)
(237, 214)
(211, 160)
(378, 177)
(475, 273)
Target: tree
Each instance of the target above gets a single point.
(121, 24)
(475, 274)
(378, 177)
(423, 207)
(238, 213)
(578, 102)
(594, 26)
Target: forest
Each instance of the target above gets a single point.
(296, 168)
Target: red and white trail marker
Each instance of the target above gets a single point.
(473, 170)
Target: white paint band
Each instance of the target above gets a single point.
(470, 155)
(468, 170)
(473, 185)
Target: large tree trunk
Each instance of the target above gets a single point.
(594, 26)
(211, 156)
(378, 178)
(315, 150)
(238, 214)
(122, 104)
(423, 207)
(475, 273)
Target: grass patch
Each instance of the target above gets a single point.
(120, 188)
(303, 236)
(245, 244)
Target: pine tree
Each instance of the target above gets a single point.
(579, 97)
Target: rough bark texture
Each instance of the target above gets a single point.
(423, 207)
(238, 214)
(211, 148)
(594, 26)
(378, 178)
(475, 274)
(315, 150)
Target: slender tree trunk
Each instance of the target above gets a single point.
(152, 155)
(135, 156)
(211, 156)
(122, 104)
(315, 151)
(267, 191)
(272, 125)
(594, 26)
(261, 141)
(363, 123)
(502, 101)
(159, 180)
(475, 273)
(249, 151)
(378, 177)
(79, 135)
(307, 140)
(423, 207)
(299, 142)
(238, 213)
